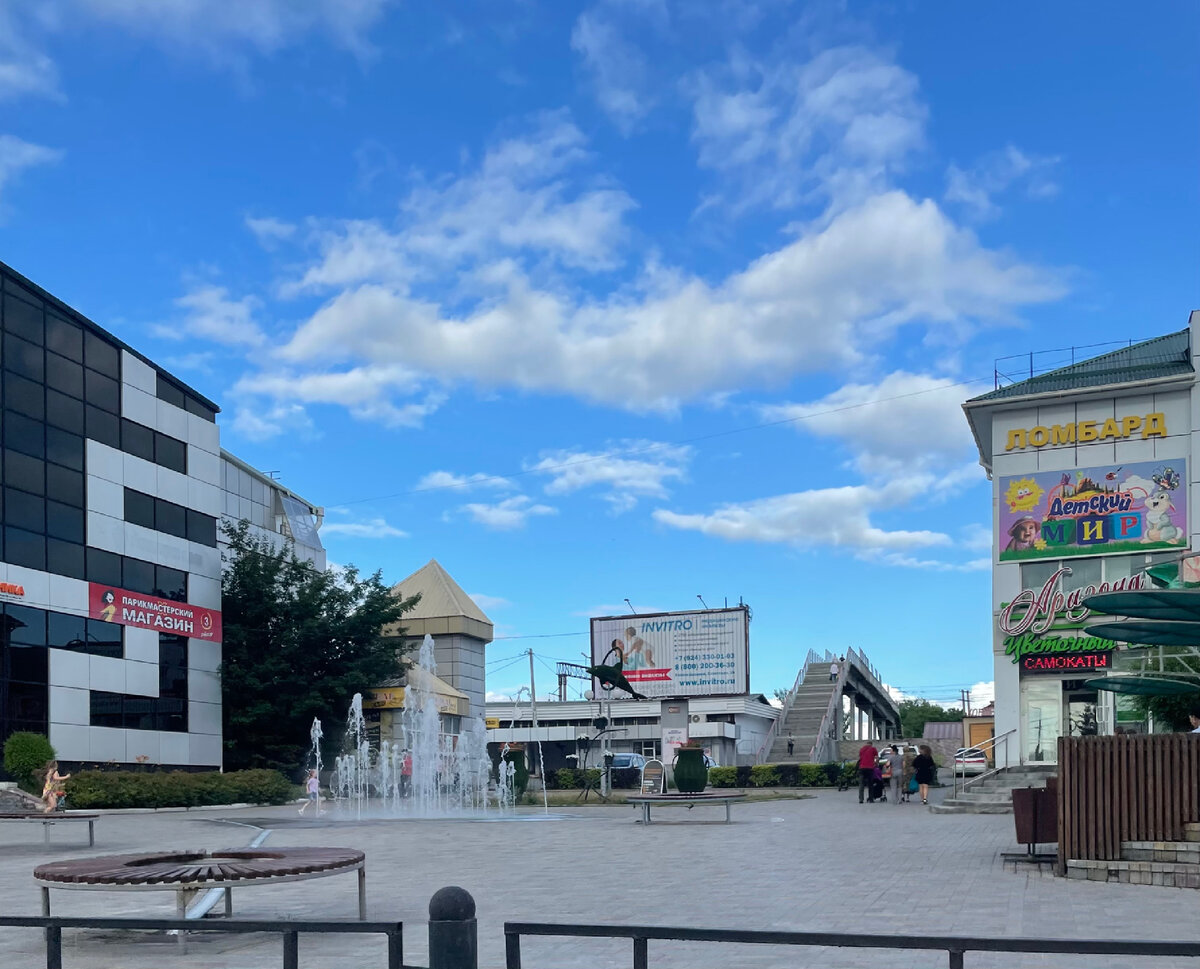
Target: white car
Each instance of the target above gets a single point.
(970, 760)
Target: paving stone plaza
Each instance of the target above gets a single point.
(823, 863)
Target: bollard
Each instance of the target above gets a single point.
(453, 932)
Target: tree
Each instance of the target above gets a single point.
(781, 693)
(298, 643)
(914, 714)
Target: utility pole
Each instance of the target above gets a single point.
(533, 707)
(966, 699)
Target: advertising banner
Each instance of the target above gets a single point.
(1108, 510)
(678, 653)
(150, 612)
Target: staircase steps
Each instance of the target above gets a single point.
(1164, 873)
(954, 806)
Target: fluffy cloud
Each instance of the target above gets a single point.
(24, 69)
(616, 67)
(507, 515)
(787, 131)
(212, 315)
(815, 303)
(372, 528)
(448, 480)
(632, 470)
(486, 602)
(975, 187)
(17, 155)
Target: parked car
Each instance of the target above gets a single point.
(623, 761)
(970, 760)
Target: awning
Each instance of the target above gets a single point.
(1149, 632)
(1143, 685)
(1171, 604)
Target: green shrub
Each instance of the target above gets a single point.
(565, 778)
(25, 754)
(812, 775)
(848, 775)
(743, 775)
(764, 775)
(789, 774)
(722, 777)
(137, 789)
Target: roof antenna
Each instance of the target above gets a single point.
(630, 604)
(701, 598)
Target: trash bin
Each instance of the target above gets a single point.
(1035, 814)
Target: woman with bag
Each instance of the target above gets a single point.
(925, 769)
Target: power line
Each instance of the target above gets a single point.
(479, 479)
(582, 632)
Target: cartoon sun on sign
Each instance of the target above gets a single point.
(1023, 494)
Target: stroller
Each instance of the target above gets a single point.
(878, 788)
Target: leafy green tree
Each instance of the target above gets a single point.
(914, 714)
(298, 643)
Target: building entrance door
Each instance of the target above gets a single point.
(1041, 719)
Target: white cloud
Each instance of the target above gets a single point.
(270, 231)
(994, 173)
(616, 66)
(259, 422)
(786, 131)
(438, 480)
(838, 517)
(372, 528)
(24, 69)
(212, 315)
(622, 470)
(903, 422)
(983, 693)
(976, 536)
(17, 155)
(507, 515)
(486, 602)
(818, 302)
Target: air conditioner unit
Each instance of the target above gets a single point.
(695, 718)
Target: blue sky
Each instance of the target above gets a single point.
(637, 299)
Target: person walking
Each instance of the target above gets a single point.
(791, 744)
(924, 768)
(896, 768)
(868, 754)
(312, 787)
(834, 669)
(52, 787)
(406, 774)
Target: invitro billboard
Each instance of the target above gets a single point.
(670, 654)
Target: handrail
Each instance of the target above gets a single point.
(991, 743)
(288, 929)
(953, 945)
(764, 749)
(824, 750)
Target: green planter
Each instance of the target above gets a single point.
(691, 776)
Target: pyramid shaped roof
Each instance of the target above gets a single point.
(441, 596)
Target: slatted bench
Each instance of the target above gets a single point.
(47, 820)
(690, 800)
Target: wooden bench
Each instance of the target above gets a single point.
(57, 818)
(691, 800)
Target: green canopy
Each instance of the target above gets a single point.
(1143, 685)
(1175, 604)
(1148, 632)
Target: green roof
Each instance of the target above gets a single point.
(1164, 356)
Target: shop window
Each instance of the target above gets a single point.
(24, 318)
(105, 638)
(106, 709)
(64, 412)
(24, 358)
(25, 548)
(24, 396)
(137, 439)
(101, 356)
(64, 522)
(64, 448)
(67, 632)
(27, 703)
(172, 714)
(140, 712)
(25, 435)
(29, 664)
(103, 426)
(64, 337)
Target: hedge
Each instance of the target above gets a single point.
(25, 754)
(572, 778)
(135, 789)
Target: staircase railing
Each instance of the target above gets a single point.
(988, 746)
(826, 747)
(789, 698)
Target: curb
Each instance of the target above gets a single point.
(165, 810)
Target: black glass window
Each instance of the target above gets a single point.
(65, 558)
(65, 412)
(24, 396)
(67, 632)
(170, 518)
(201, 528)
(24, 434)
(141, 712)
(137, 439)
(104, 638)
(103, 567)
(65, 485)
(173, 714)
(170, 583)
(139, 576)
(24, 472)
(24, 358)
(169, 392)
(103, 426)
(26, 625)
(63, 336)
(24, 548)
(200, 409)
(170, 453)
(106, 709)
(101, 391)
(28, 663)
(24, 510)
(64, 522)
(139, 508)
(172, 650)
(24, 318)
(64, 375)
(64, 448)
(101, 356)
(26, 703)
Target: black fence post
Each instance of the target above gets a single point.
(453, 931)
(396, 947)
(53, 947)
(291, 949)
